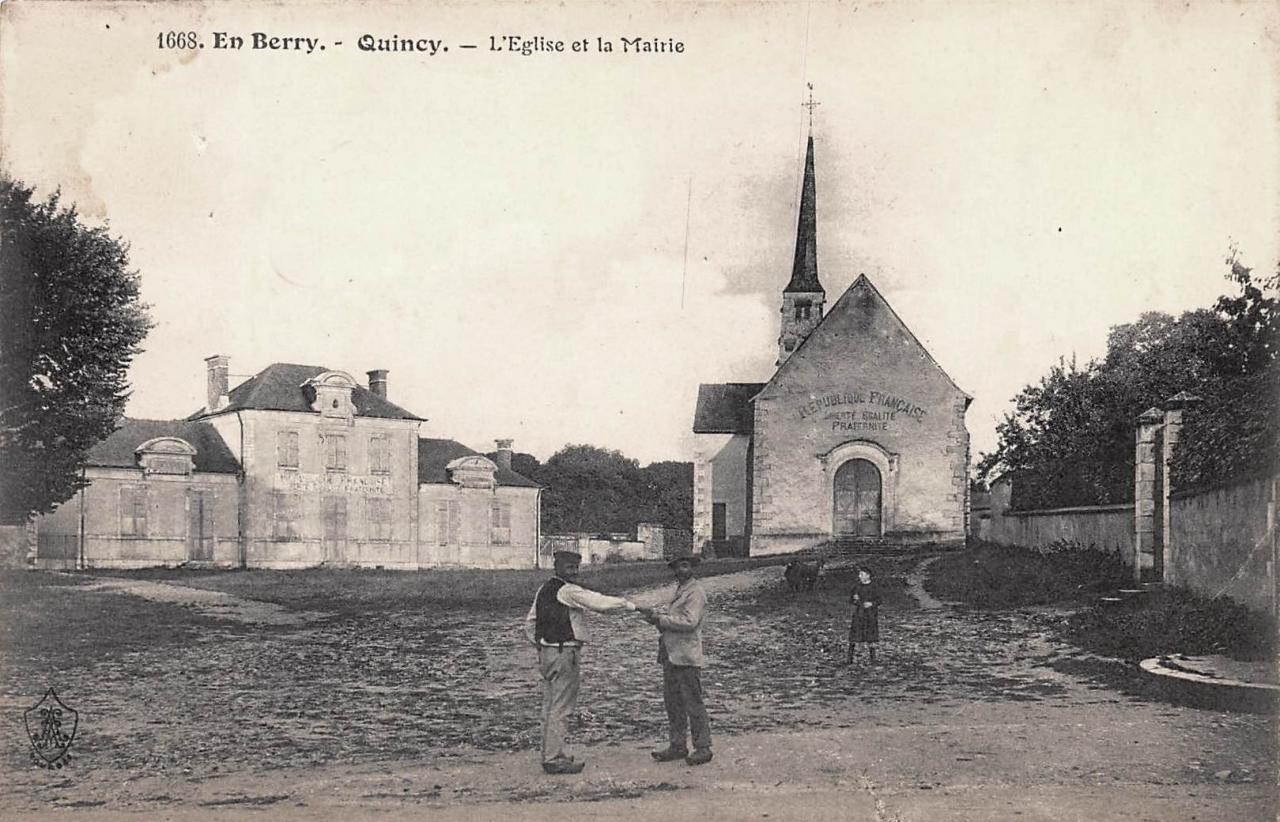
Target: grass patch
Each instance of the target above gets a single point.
(44, 617)
(1173, 620)
(997, 576)
(345, 590)
(1163, 621)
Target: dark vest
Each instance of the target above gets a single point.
(552, 616)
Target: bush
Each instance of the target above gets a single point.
(1174, 620)
(997, 576)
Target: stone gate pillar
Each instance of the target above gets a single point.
(1144, 493)
(1173, 409)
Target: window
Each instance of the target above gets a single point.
(133, 511)
(500, 523)
(335, 452)
(379, 454)
(287, 449)
(286, 515)
(335, 518)
(446, 523)
(378, 513)
(789, 345)
(802, 310)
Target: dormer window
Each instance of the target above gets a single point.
(473, 472)
(166, 455)
(330, 394)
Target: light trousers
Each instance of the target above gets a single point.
(560, 681)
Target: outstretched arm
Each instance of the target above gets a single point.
(575, 596)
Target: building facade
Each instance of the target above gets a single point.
(299, 466)
(858, 436)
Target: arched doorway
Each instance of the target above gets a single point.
(856, 500)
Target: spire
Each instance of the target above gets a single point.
(804, 272)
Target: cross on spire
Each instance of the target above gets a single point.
(811, 105)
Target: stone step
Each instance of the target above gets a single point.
(852, 547)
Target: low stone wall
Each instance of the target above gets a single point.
(1223, 542)
(595, 548)
(1105, 527)
(16, 545)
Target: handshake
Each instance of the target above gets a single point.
(649, 614)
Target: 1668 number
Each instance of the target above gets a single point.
(177, 40)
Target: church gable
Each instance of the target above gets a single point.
(862, 337)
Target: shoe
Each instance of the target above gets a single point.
(669, 754)
(701, 757)
(563, 766)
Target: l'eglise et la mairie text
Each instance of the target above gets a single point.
(526, 46)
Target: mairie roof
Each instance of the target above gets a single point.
(278, 387)
(119, 449)
(725, 408)
(434, 455)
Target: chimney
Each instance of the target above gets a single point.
(503, 457)
(378, 382)
(216, 368)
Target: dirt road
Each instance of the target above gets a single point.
(969, 715)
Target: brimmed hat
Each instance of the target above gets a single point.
(567, 555)
(692, 559)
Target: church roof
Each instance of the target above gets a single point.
(434, 455)
(119, 449)
(804, 271)
(278, 387)
(845, 303)
(725, 408)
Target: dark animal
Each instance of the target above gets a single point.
(804, 574)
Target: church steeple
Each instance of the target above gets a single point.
(804, 271)
(803, 298)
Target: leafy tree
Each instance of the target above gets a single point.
(1234, 431)
(590, 489)
(70, 324)
(1070, 438)
(668, 492)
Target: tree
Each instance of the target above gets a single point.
(1234, 431)
(668, 494)
(597, 490)
(70, 324)
(1070, 438)
(588, 489)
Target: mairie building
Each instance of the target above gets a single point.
(858, 437)
(298, 466)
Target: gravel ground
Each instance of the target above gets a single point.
(243, 695)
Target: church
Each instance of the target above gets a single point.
(858, 438)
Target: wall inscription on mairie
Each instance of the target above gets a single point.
(334, 483)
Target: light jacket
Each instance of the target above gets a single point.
(681, 625)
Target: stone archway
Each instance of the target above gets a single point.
(856, 500)
(868, 459)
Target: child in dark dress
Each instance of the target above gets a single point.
(865, 626)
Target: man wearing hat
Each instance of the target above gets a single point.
(557, 626)
(680, 654)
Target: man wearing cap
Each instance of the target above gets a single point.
(557, 626)
(680, 654)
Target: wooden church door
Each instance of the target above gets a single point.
(857, 500)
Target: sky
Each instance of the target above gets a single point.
(559, 246)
